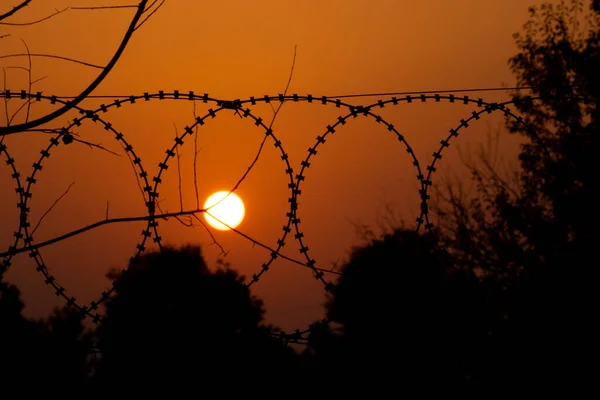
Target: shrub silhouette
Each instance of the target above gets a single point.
(175, 322)
(39, 353)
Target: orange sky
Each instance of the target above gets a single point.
(234, 50)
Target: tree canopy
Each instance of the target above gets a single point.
(512, 284)
(175, 321)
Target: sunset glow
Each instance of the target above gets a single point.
(224, 210)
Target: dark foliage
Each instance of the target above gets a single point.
(173, 322)
(406, 318)
(41, 353)
(517, 307)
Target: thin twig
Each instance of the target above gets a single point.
(29, 80)
(39, 79)
(223, 252)
(149, 15)
(264, 246)
(262, 144)
(189, 223)
(103, 7)
(196, 151)
(50, 209)
(137, 177)
(6, 100)
(98, 146)
(150, 6)
(195, 177)
(26, 103)
(52, 131)
(53, 56)
(178, 171)
(56, 12)
(21, 107)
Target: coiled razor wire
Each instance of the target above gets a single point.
(241, 107)
(18, 235)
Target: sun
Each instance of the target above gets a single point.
(224, 208)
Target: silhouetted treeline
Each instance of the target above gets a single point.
(40, 353)
(172, 323)
(508, 301)
(174, 320)
(500, 297)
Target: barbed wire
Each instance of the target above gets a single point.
(149, 186)
(353, 95)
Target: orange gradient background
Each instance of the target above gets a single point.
(234, 50)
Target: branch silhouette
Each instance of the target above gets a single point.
(14, 10)
(35, 228)
(79, 98)
(87, 64)
(36, 21)
(164, 216)
(262, 144)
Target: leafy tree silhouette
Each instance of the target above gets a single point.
(404, 317)
(537, 237)
(174, 322)
(511, 300)
(38, 353)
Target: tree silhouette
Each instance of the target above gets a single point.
(510, 302)
(536, 238)
(174, 322)
(39, 353)
(405, 318)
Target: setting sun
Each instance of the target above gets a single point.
(224, 210)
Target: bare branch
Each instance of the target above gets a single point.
(264, 246)
(98, 146)
(52, 131)
(35, 22)
(223, 252)
(8, 130)
(196, 151)
(21, 107)
(104, 7)
(164, 216)
(87, 64)
(137, 177)
(27, 104)
(6, 99)
(262, 144)
(29, 80)
(151, 5)
(96, 225)
(39, 79)
(179, 171)
(14, 10)
(149, 15)
(50, 209)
